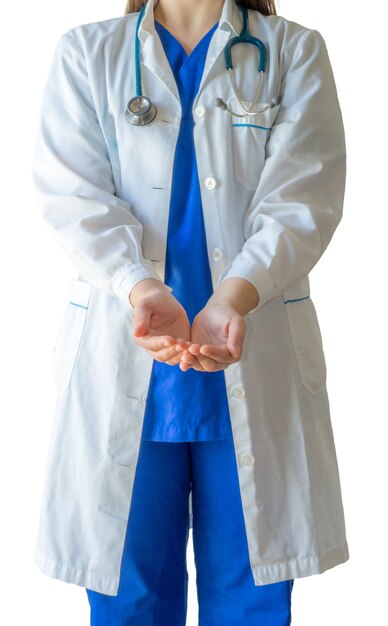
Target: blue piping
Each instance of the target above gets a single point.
(255, 126)
(296, 299)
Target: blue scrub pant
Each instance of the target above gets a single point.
(154, 579)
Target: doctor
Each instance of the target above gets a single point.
(197, 229)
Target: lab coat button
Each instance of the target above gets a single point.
(218, 254)
(247, 459)
(238, 392)
(210, 182)
(200, 111)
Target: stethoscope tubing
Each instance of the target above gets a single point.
(141, 110)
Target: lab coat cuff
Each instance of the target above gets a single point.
(127, 277)
(259, 278)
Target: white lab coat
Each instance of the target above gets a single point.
(272, 200)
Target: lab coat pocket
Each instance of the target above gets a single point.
(306, 337)
(70, 332)
(250, 135)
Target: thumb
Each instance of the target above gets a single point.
(235, 337)
(142, 320)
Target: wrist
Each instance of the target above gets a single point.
(146, 287)
(237, 292)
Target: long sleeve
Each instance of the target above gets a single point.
(73, 178)
(298, 202)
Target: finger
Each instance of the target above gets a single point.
(170, 355)
(155, 343)
(217, 353)
(195, 366)
(177, 345)
(193, 349)
(215, 367)
(143, 318)
(187, 357)
(206, 364)
(209, 360)
(174, 361)
(188, 361)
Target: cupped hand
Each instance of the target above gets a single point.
(161, 327)
(216, 339)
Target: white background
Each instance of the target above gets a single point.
(348, 287)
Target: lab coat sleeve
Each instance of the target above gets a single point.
(298, 202)
(74, 183)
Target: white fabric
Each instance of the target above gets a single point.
(272, 200)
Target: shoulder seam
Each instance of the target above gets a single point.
(302, 38)
(69, 38)
(304, 35)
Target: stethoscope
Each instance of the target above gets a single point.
(141, 110)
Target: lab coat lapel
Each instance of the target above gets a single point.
(154, 57)
(216, 47)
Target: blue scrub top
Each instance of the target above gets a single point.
(191, 405)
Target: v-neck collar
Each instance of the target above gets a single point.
(198, 45)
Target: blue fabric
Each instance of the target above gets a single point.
(154, 579)
(191, 405)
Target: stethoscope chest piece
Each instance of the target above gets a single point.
(140, 111)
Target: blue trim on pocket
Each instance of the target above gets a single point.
(254, 125)
(76, 304)
(296, 299)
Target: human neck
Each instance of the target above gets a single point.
(190, 16)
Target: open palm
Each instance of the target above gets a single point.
(162, 327)
(217, 334)
(212, 343)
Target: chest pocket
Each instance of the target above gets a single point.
(250, 134)
(70, 332)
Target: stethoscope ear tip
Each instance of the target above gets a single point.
(220, 103)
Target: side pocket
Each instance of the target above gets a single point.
(306, 338)
(70, 332)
